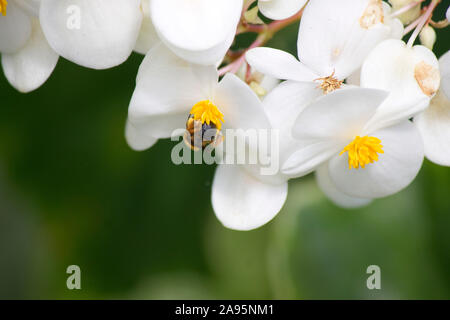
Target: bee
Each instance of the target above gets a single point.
(199, 135)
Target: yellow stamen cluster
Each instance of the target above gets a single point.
(207, 112)
(329, 84)
(3, 5)
(362, 151)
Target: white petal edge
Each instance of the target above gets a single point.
(107, 34)
(337, 197)
(279, 64)
(280, 9)
(328, 124)
(195, 25)
(32, 65)
(242, 202)
(394, 67)
(434, 127)
(138, 141)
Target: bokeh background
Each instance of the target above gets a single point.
(72, 192)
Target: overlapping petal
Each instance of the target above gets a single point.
(434, 122)
(279, 64)
(411, 75)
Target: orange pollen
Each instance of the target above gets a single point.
(3, 5)
(329, 84)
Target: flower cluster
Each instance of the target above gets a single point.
(359, 107)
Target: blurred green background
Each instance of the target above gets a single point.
(72, 192)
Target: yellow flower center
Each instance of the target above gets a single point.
(329, 84)
(3, 5)
(207, 112)
(362, 151)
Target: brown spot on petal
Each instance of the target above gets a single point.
(372, 15)
(329, 84)
(427, 78)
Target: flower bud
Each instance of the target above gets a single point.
(408, 16)
(428, 37)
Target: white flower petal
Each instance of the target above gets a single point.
(196, 27)
(396, 169)
(411, 75)
(308, 156)
(280, 9)
(31, 66)
(337, 197)
(336, 36)
(434, 127)
(137, 140)
(30, 6)
(279, 64)
(338, 116)
(15, 29)
(167, 87)
(211, 56)
(107, 34)
(147, 37)
(283, 105)
(328, 124)
(241, 107)
(242, 202)
(444, 66)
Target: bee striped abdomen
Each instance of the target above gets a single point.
(199, 135)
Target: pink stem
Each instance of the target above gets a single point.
(411, 26)
(405, 8)
(425, 17)
(265, 33)
(235, 65)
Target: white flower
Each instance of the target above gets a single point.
(168, 91)
(104, 35)
(355, 163)
(199, 31)
(434, 122)
(410, 75)
(334, 39)
(27, 59)
(280, 9)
